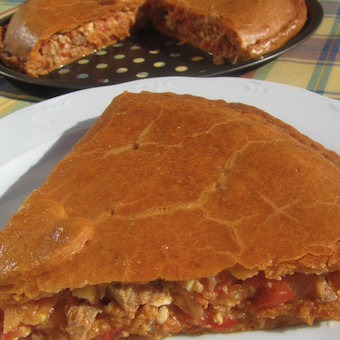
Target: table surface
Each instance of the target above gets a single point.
(313, 65)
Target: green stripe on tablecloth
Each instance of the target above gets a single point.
(15, 107)
(19, 96)
(326, 62)
(8, 8)
(262, 72)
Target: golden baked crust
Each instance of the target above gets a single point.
(36, 21)
(176, 213)
(235, 30)
(180, 187)
(42, 229)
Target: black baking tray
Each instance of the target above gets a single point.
(150, 54)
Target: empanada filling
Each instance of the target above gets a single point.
(160, 308)
(203, 32)
(70, 44)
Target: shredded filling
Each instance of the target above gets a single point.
(70, 44)
(200, 32)
(159, 309)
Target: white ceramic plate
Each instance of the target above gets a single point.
(32, 140)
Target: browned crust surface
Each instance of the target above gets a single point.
(180, 187)
(252, 27)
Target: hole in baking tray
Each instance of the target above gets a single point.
(142, 74)
(119, 56)
(102, 65)
(103, 81)
(121, 70)
(83, 61)
(82, 75)
(102, 52)
(64, 71)
(181, 68)
(138, 60)
(159, 64)
(135, 48)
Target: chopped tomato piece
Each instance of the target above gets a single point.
(226, 324)
(275, 294)
(44, 44)
(8, 336)
(206, 44)
(110, 335)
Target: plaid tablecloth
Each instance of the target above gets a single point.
(314, 65)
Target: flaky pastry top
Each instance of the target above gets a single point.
(179, 187)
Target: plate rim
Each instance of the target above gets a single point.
(163, 84)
